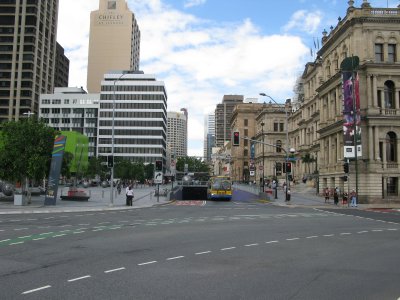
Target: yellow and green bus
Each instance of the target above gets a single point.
(219, 187)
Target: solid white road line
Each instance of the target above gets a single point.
(79, 278)
(115, 270)
(35, 290)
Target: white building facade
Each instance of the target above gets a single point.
(177, 134)
(72, 109)
(139, 103)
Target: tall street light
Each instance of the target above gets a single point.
(263, 176)
(287, 150)
(112, 136)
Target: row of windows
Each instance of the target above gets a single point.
(131, 150)
(132, 88)
(131, 97)
(132, 106)
(126, 123)
(391, 53)
(89, 111)
(135, 141)
(127, 114)
(132, 132)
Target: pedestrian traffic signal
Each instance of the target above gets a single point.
(110, 161)
(159, 165)
(346, 167)
(344, 178)
(288, 167)
(236, 138)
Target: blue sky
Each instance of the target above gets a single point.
(203, 49)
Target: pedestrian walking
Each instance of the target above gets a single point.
(129, 195)
(326, 194)
(353, 197)
(119, 188)
(336, 193)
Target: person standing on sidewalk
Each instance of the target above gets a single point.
(353, 197)
(336, 195)
(326, 194)
(129, 195)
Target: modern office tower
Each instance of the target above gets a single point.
(209, 135)
(177, 134)
(27, 55)
(61, 73)
(72, 109)
(223, 114)
(114, 42)
(139, 103)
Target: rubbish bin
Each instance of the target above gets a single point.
(19, 199)
(288, 195)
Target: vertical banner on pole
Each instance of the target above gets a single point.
(55, 170)
(351, 115)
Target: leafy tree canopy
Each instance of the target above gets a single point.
(25, 150)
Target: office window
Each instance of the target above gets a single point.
(378, 52)
(392, 53)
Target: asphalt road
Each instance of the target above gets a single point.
(202, 250)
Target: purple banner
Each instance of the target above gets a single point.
(351, 115)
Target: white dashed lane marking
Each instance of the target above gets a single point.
(201, 253)
(114, 270)
(147, 263)
(79, 278)
(35, 290)
(174, 258)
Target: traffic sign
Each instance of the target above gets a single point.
(158, 177)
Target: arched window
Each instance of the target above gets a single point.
(278, 169)
(391, 147)
(389, 94)
(279, 146)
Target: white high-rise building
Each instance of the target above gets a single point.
(114, 41)
(139, 102)
(209, 135)
(177, 134)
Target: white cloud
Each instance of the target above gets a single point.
(198, 60)
(191, 3)
(304, 21)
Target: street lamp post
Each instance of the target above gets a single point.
(112, 138)
(287, 143)
(263, 175)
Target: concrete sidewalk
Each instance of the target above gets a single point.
(99, 200)
(302, 195)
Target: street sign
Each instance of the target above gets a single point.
(252, 173)
(158, 177)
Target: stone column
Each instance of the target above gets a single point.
(374, 91)
(371, 143)
(384, 155)
(376, 142)
(396, 98)
(369, 98)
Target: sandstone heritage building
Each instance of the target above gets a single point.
(316, 119)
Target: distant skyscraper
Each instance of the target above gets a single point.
(27, 54)
(140, 119)
(209, 135)
(177, 133)
(114, 42)
(223, 114)
(62, 68)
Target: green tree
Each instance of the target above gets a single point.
(65, 168)
(96, 167)
(308, 159)
(149, 171)
(26, 150)
(194, 164)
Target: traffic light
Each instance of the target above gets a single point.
(158, 165)
(288, 167)
(346, 167)
(110, 161)
(236, 138)
(344, 178)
